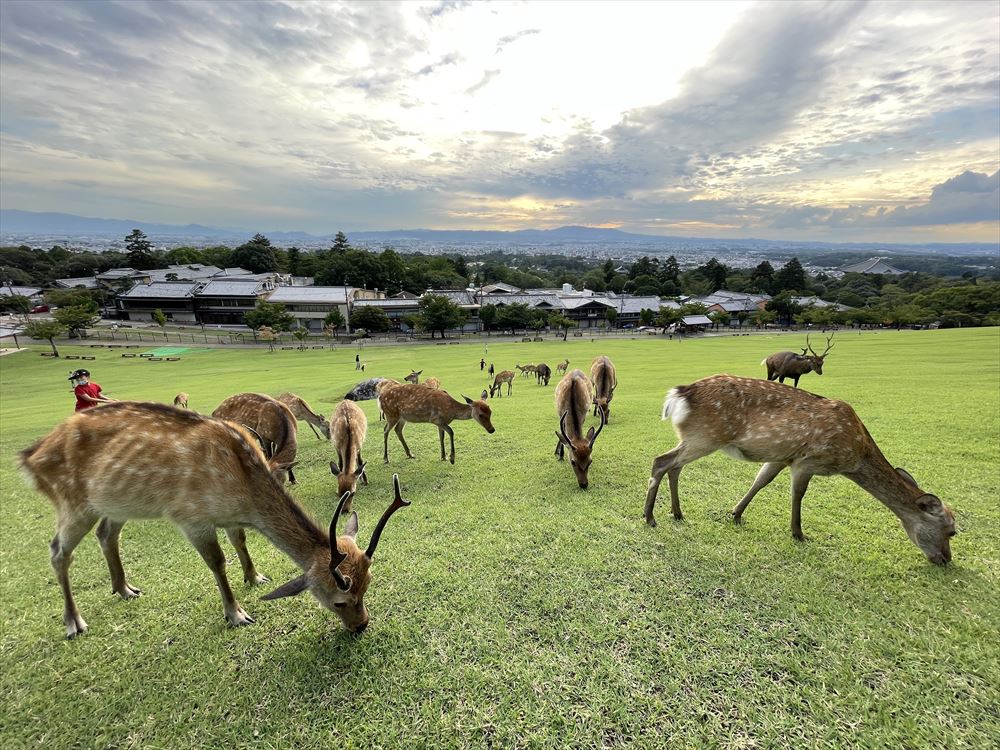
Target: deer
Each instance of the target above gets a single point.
(127, 460)
(413, 377)
(542, 374)
(526, 370)
(573, 398)
(271, 421)
(350, 427)
(507, 376)
(415, 403)
(432, 383)
(181, 400)
(791, 365)
(561, 367)
(302, 411)
(602, 373)
(490, 372)
(777, 425)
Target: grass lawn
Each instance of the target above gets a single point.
(509, 608)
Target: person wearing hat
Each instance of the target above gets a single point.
(87, 394)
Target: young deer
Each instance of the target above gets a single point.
(573, 398)
(413, 377)
(272, 422)
(181, 400)
(304, 412)
(602, 373)
(350, 427)
(432, 383)
(561, 367)
(791, 365)
(507, 376)
(129, 460)
(542, 374)
(414, 403)
(761, 421)
(526, 370)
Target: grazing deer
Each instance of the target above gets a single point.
(526, 370)
(507, 376)
(129, 460)
(181, 400)
(413, 403)
(272, 422)
(791, 365)
(350, 427)
(302, 411)
(761, 421)
(432, 383)
(602, 373)
(413, 377)
(561, 367)
(573, 399)
(542, 374)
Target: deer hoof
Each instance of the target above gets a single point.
(75, 625)
(239, 618)
(737, 518)
(256, 579)
(127, 592)
(651, 521)
(678, 516)
(798, 536)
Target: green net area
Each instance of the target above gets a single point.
(167, 351)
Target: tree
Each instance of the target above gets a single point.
(300, 334)
(785, 306)
(268, 334)
(159, 318)
(440, 314)
(334, 319)
(340, 243)
(720, 318)
(270, 314)
(76, 318)
(561, 322)
(791, 276)
(17, 303)
(47, 330)
(611, 315)
(488, 317)
(670, 271)
(646, 316)
(257, 255)
(715, 273)
(762, 277)
(294, 260)
(763, 317)
(372, 319)
(538, 320)
(514, 316)
(139, 251)
(668, 316)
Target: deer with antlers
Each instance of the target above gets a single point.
(415, 403)
(128, 460)
(350, 427)
(761, 421)
(602, 374)
(791, 365)
(271, 421)
(303, 412)
(561, 367)
(573, 399)
(181, 400)
(507, 376)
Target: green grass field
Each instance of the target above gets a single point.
(511, 609)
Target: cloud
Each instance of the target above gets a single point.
(511, 38)
(488, 75)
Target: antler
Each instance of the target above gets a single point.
(809, 347)
(336, 556)
(829, 345)
(397, 503)
(562, 428)
(604, 421)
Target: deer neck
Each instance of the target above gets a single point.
(876, 475)
(287, 526)
(459, 411)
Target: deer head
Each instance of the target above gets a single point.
(324, 426)
(579, 449)
(413, 377)
(347, 482)
(931, 525)
(339, 582)
(817, 359)
(481, 413)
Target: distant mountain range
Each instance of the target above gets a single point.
(16, 224)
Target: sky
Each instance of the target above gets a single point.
(842, 121)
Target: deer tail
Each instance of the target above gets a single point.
(675, 407)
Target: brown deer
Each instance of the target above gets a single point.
(573, 398)
(304, 412)
(761, 421)
(432, 383)
(507, 376)
(526, 370)
(602, 373)
(129, 460)
(542, 374)
(350, 427)
(272, 422)
(414, 403)
(413, 377)
(791, 365)
(561, 367)
(181, 400)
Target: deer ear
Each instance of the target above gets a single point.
(351, 529)
(590, 434)
(929, 503)
(293, 588)
(467, 399)
(562, 439)
(907, 476)
(334, 469)
(360, 470)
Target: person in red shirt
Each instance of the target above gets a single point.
(87, 394)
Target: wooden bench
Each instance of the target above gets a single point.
(525, 341)
(173, 359)
(538, 338)
(146, 355)
(88, 357)
(128, 354)
(154, 359)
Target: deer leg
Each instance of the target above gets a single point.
(800, 483)
(385, 441)
(765, 476)
(238, 538)
(69, 532)
(291, 476)
(441, 439)
(670, 464)
(795, 381)
(314, 430)
(364, 474)
(205, 539)
(399, 434)
(108, 533)
(451, 434)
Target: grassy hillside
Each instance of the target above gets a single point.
(511, 609)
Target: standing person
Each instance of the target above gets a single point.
(87, 394)
(357, 361)
(491, 370)
(482, 365)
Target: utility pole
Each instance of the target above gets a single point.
(347, 304)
